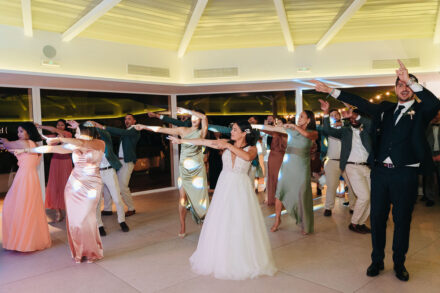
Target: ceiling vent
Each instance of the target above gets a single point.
(392, 63)
(216, 72)
(148, 71)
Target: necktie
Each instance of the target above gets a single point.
(397, 113)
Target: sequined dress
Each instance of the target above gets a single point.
(82, 193)
(193, 177)
(233, 243)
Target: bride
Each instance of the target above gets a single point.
(233, 243)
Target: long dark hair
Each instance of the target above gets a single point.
(88, 130)
(252, 135)
(312, 123)
(31, 131)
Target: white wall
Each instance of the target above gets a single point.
(101, 59)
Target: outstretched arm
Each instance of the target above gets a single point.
(212, 143)
(16, 144)
(44, 149)
(52, 129)
(170, 120)
(310, 134)
(95, 144)
(269, 128)
(165, 130)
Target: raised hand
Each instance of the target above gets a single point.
(153, 115)
(321, 87)
(138, 127)
(181, 110)
(402, 72)
(72, 124)
(174, 139)
(53, 140)
(325, 106)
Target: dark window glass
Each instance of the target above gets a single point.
(16, 107)
(153, 167)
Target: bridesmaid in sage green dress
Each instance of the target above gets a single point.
(192, 181)
(294, 190)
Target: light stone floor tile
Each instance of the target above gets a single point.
(151, 258)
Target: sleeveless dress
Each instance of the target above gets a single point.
(24, 223)
(193, 177)
(59, 172)
(82, 193)
(277, 149)
(294, 189)
(233, 243)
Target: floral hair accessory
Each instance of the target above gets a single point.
(247, 130)
(88, 124)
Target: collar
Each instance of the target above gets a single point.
(407, 105)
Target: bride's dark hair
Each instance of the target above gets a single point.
(252, 135)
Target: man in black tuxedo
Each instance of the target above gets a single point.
(399, 148)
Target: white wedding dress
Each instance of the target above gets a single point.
(233, 243)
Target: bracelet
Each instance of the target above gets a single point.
(331, 93)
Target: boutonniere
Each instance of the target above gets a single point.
(411, 113)
(361, 128)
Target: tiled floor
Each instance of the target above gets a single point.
(151, 258)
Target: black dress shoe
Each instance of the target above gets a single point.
(124, 227)
(102, 231)
(346, 204)
(375, 268)
(401, 273)
(106, 213)
(364, 228)
(351, 212)
(356, 228)
(327, 213)
(130, 213)
(429, 203)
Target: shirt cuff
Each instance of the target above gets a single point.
(161, 117)
(416, 87)
(326, 115)
(358, 117)
(336, 93)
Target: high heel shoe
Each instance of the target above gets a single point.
(181, 235)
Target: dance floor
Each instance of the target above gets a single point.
(151, 258)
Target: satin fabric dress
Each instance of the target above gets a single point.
(59, 172)
(233, 243)
(24, 223)
(82, 193)
(277, 149)
(294, 188)
(193, 177)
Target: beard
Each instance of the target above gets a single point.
(400, 99)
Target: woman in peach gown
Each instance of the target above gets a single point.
(59, 172)
(24, 223)
(83, 189)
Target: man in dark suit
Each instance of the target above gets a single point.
(399, 148)
(431, 174)
(355, 158)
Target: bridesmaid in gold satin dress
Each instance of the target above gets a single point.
(83, 189)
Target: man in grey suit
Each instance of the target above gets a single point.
(356, 149)
(431, 178)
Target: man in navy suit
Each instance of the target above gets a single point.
(399, 148)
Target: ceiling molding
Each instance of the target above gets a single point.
(27, 17)
(191, 27)
(339, 24)
(437, 28)
(88, 19)
(281, 11)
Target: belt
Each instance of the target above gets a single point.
(334, 159)
(106, 168)
(297, 151)
(362, 164)
(120, 158)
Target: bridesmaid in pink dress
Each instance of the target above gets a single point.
(276, 155)
(59, 172)
(83, 189)
(24, 223)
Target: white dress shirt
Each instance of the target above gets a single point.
(358, 152)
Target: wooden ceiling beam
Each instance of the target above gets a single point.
(27, 17)
(281, 11)
(88, 19)
(339, 24)
(191, 26)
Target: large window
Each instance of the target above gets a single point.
(225, 108)
(153, 167)
(16, 107)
